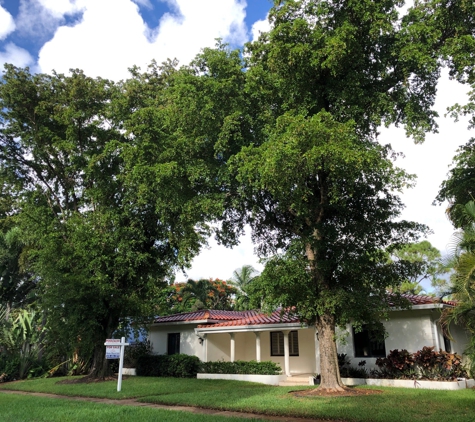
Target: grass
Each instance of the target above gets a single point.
(27, 408)
(394, 404)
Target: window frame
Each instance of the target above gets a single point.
(277, 343)
(173, 343)
(362, 342)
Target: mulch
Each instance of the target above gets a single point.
(327, 392)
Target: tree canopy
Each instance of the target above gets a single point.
(115, 184)
(425, 264)
(107, 214)
(313, 181)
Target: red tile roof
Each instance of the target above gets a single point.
(211, 315)
(259, 319)
(426, 300)
(242, 318)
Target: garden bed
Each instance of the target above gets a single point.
(429, 385)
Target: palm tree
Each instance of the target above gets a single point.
(197, 294)
(463, 283)
(241, 279)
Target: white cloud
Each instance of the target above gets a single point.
(218, 261)
(7, 24)
(260, 26)
(112, 36)
(16, 56)
(36, 21)
(59, 8)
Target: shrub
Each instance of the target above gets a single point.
(348, 371)
(9, 368)
(241, 367)
(15, 367)
(423, 364)
(135, 351)
(132, 353)
(439, 365)
(178, 366)
(399, 364)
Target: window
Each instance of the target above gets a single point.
(277, 343)
(173, 343)
(367, 347)
(447, 345)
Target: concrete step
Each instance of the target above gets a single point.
(295, 380)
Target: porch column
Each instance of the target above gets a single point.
(435, 334)
(286, 353)
(258, 346)
(317, 352)
(233, 347)
(205, 344)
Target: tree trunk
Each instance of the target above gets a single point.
(100, 365)
(329, 371)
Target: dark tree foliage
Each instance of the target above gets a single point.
(311, 178)
(107, 214)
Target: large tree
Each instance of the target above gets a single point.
(107, 213)
(311, 178)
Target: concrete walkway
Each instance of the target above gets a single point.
(191, 409)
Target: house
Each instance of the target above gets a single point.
(250, 335)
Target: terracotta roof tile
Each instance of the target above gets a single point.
(241, 318)
(212, 314)
(259, 319)
(426, 300)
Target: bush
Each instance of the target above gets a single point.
(439, 365)
(9, 368)
(241, 367)
(399, 364)
(132, 353)
(15, 367)
(423, 364)
(177, 366)
(348, 371)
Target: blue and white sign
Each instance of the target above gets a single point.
(112, 352)
(115, 350)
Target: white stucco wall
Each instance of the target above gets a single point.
(245, 349)
(189, 341)
(219, 346)
(460, 339)
(410, 330)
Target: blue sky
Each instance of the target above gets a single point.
(106, 37)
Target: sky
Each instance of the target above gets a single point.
(106, 37)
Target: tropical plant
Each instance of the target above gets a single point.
(242, 279)
(16, 282)
(207, 294)
(463, 281)
(21, 344)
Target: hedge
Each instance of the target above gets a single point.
(177, 366)
(241, 367)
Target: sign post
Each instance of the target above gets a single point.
(115, 350)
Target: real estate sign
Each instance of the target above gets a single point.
(115, 350)
(112, 350)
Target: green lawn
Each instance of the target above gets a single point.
(15, 408)
(394, 404)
